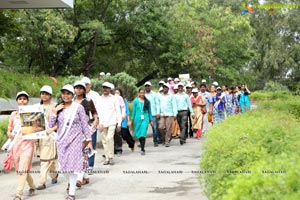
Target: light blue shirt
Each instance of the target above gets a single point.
(183, 102)
(207, 97)
(167, 105)
(154, 101)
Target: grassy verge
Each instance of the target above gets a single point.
(256, 155)
(12, 82)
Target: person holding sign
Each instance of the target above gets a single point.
(72, 132)
(22, 150)
(47, 146)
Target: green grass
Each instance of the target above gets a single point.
(11, 82)
(266, 139)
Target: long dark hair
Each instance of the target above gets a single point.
(146, 101)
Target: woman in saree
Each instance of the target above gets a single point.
(198, 104)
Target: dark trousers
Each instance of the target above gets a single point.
(182, 118)
(188, 130)
(142, 142)
(94, 143)
(125, 133)
(118, 142)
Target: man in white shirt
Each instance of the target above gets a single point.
(118, 142)
(95, 97)
(110, 119)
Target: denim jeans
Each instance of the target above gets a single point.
(94, 143)
(155, 129)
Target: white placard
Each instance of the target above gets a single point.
(33, 124)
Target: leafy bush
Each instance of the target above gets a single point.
(274, 86)
(263, 140)
(11, 82)
(3, 131)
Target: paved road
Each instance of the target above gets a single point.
(126, 179)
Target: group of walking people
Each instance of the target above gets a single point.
(178, 110)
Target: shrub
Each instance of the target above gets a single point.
(274, 86)
(11, 82)
(266, 139)
(3, 131)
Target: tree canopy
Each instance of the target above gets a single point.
(155, 39)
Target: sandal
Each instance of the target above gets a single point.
(85, 181)
(67, 190)
(70, 197)
(78, 184)
(31, 192)
(17, 198)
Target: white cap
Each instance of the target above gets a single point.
(180, 84)
(166, 85)
(86, 80)
(106, 84)
(161, 82)
(161, 89)
(102, 74)
(188, 86)
(46, 88)
(203, 81)
(177, 79)
(107, 74)
(79, 83)
(215, 83)
(169, 79)
(148, 83)
(112, 86)
(69, 88)
(176, 87)
(219, 88)
(195, 90)
(22, 93)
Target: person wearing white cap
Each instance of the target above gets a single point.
(22, 150)
(101, 75)
(208, 98)
(109, 118)
(175, 89)
(117, 137)
(108, 74)
(95, 97)
(171, 85)
(161, 83)
(167, 114)
(183, 106)
(215, 83)
(161, 90)
(199, 108)
(73, 135)
(92, 120)
(203, 81)
(219, 102)
(175, 125)
(153, 98)
(176, 80)
(47, 146)
(189, 131)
